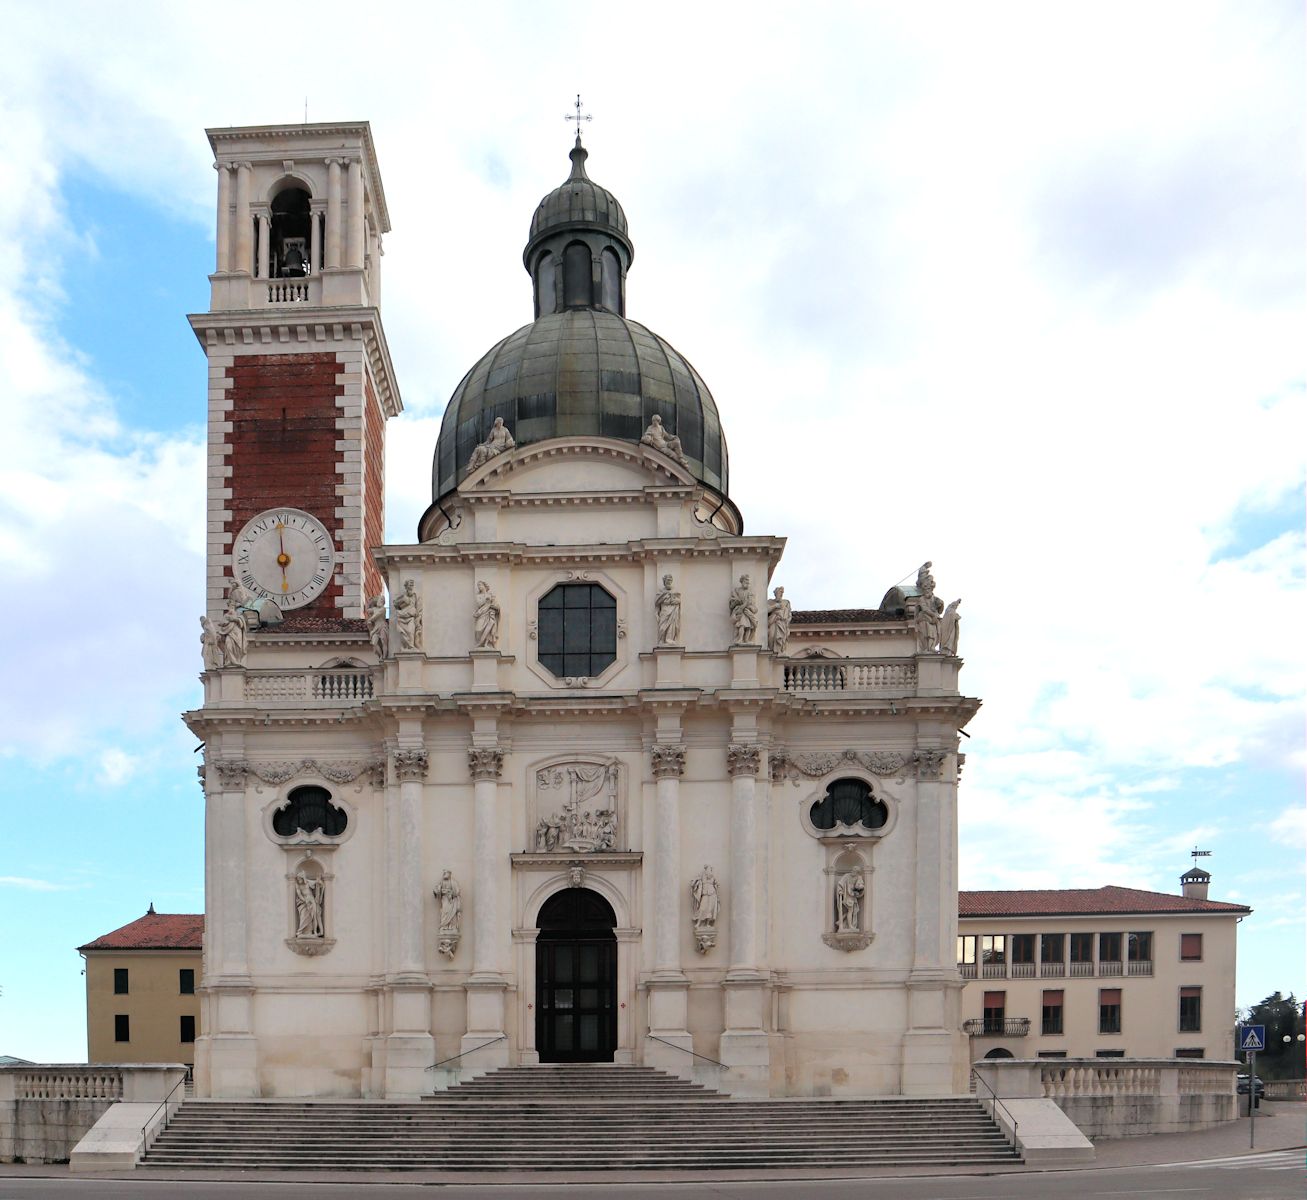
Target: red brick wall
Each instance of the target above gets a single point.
(283, 443)
(374, 495)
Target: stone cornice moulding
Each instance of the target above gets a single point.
(637, 550)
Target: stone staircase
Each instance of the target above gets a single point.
(584, 1117)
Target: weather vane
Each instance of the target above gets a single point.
(578, 116)
(1197, 854)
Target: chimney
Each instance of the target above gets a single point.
(1193, 883)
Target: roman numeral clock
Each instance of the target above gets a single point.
(284, 555)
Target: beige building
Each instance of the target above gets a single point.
(141, 999)
(1110, 972)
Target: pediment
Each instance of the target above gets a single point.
(571, 465)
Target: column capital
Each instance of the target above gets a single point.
(668, 761)
(930, 763)
(409, 764)
(485, 763)
(227, 773)
(222, 166)
(742, 758)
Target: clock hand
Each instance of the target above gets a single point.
(283, 559)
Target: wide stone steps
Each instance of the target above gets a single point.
(579, 1118)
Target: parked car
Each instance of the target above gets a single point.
(1258, 1087)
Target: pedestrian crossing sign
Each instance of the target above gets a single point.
(1252, 1037)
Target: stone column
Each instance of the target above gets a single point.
(354, 256)
(934, 1050)
(668, 986)
(315, 237)
(265, 245)
(485, 986)
(409, 1045)
(224, 217)
(333, 213)
(232, 1053)
(745, 1048)
(244, 231)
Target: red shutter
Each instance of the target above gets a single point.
(1053, 999)
(1191, 946)
(1109, 996)
(1192, 993)
(995, 999)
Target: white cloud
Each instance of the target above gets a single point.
(33, 885)
(117, 766)
(1290, 827)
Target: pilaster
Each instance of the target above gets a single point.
(486, 985)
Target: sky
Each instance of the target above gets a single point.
(1016, 288)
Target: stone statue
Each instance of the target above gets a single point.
(779, 612)
(667, 608)
(310, 900)
(378, 629)
(232, 631)
(576, 877)
(408, 617)
(707, 906)
(849, 890)
(210, 645)
(451, 914)
(948, 629)
(486, 618)
(606, 833)
(744, 612)
(499, 441)
(668, 443)
(929, 608)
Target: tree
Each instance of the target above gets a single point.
(1283, 1016)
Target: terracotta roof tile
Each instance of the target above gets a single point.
(155, 931)
(841, 616)
(1052, 902)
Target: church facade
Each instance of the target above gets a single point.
(580, 790)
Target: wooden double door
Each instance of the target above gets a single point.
(576, 978)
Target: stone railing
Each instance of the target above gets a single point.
(337, 685)
(68, 1083)
(290, 290)
(1122, 1097)
(849, 675)
(1285, 1089)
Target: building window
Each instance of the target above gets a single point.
(120, 981)
(122, 1028)
(1109, 954)
(1023, 955)
(1190, 1052)
(1191, 1009)
(1109, 1010)
(849, 802)
(1109, 1053)
(1052, 1054)
(1052, 953)
(1139, 955)
(186, 981)
(577, 267)
(577, 630)
(188, 1028)
(967, 955)
(1082, 954)
(1052, 1012)
(995, 1010)
(308, 809)
(1191, 947)
(993, 950)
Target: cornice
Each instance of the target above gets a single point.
(525, 554)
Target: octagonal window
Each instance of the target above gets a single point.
(577, 630)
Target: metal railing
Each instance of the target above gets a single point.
(163, 1104)
(996, 1026)
(655, 1038)
(994, 1103)
(503, 1037)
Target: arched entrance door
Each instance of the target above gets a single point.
(576, 978)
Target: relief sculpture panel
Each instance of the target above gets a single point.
(577, 807)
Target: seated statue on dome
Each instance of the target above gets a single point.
(499, 441)
(657, 437)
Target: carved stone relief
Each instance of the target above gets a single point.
(707, 907)
(232, 772)
(450, 901)
(813, 766)
(585, 813)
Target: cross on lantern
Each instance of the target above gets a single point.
(578, 117)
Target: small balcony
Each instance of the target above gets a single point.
(1140, 967)
(331, 686)
(997, 1027)
(850, 675)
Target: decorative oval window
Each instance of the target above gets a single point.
(848, 802)
(309, 810)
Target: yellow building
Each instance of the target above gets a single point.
(141, 980)
(1108, 972)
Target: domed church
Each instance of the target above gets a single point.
(558, 781)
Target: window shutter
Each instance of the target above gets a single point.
(1109, 996)
(1053, 998)
(1191, 945)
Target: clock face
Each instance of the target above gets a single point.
(285, 555)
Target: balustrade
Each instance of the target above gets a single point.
(337, 686)
(70, 1083)
(849, 675)
(288, 291)
(1142, 967)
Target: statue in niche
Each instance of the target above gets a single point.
(667, 608)
(779, 613)
(667, 443)
(232, 632)
(929, 608)
(210, 645)
(948, 629)
(408, 617)
(707, 906)
(498, 442)
(451, 914)
(744, 612)
(310, 902)
(849, 890)
(485, 618)
(378, 629)
(574, 828)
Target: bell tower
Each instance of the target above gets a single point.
(300, 379)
